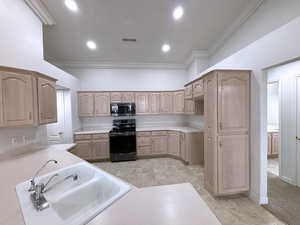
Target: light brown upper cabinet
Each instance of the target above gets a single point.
(226, 142)
(154, 99)
(128, 97)
(166, 102)
(115, 97)
(189, 106)
(142, 102)
(233, 102)
(86, 104)
(17, 99)
(198, 89)
(178, 102)
(102, 104)
(25, 96)
(47, 101)
(188, 92)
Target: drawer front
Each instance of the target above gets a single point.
(143, 141)
(83, 137)
(143, 134)
(159, 133)
(100, 136)
(198, 88)
(144, 150)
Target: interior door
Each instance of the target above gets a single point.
(298, 132)
(55, 131)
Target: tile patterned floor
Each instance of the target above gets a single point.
(163, 171)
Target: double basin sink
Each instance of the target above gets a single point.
(72, 202)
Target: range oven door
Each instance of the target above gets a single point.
(122, 109)
(122, 146)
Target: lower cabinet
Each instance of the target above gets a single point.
(159, 143)
(273, 144)
(174, 143)
(92, 147)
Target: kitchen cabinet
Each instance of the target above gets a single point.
(27, 98)
(273, 144)
(142, 103)
(47, 101)
(226, 141)
(83, 149)
(17, 99)
(178, 102)
(128, 97)
(183, 149)
(92, 147)
(102, 104)
(86, 104)
(188, 92)
(154, 99)
(189, 107)
(159, 142)
(174, 143)
(166, 102)
(198, 89)
(144, 144)
(115, 97)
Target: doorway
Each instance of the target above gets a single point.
(61, 132)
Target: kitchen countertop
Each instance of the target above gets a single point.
(163, 205)
(106, 130)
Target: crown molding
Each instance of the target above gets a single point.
(113, 65)
(41, 11)
(196, 54)
(246, 14)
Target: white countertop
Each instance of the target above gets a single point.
(106, 130)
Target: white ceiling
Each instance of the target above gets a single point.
(106, 22)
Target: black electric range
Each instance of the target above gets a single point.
(122, 140)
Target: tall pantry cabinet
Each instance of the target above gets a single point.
(226, 145)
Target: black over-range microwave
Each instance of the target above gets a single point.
(122, 109)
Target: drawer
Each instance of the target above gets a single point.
(144, 150)
(159, 133)
(83, 136)
(198, 88)
(143, 141)
(143, 134)
(100, 136)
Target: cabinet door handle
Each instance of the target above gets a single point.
(297, 138)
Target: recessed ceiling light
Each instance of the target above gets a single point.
(166, 48)
(91, 45)
(178, 13)
(72, 5)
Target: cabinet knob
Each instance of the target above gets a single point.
(297, 138)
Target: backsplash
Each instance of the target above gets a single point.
(141, 121)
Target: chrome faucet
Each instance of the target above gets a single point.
(32, 181)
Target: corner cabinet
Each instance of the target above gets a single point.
(27, 98)
(47, 101)
(226, 141)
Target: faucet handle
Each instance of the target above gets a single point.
(32, 185)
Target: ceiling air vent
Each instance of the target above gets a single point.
(130, 40)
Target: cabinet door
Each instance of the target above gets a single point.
(101, 149)
(198, 89)
(189, 106)
(188, 92)
(183, 148)
(178, 102)
(233, 164)
(166, 102)
(233, 102)
(174, 143)
(210, 104)
(210, 163)
(159, 144)
(115, 97)
(144, 150)
(128, 97)
(154, 99)
(142, 103)
(86, 104)
(102, 104)
(17, 99)
(84, 149)
(275, 143)
(47, 101)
